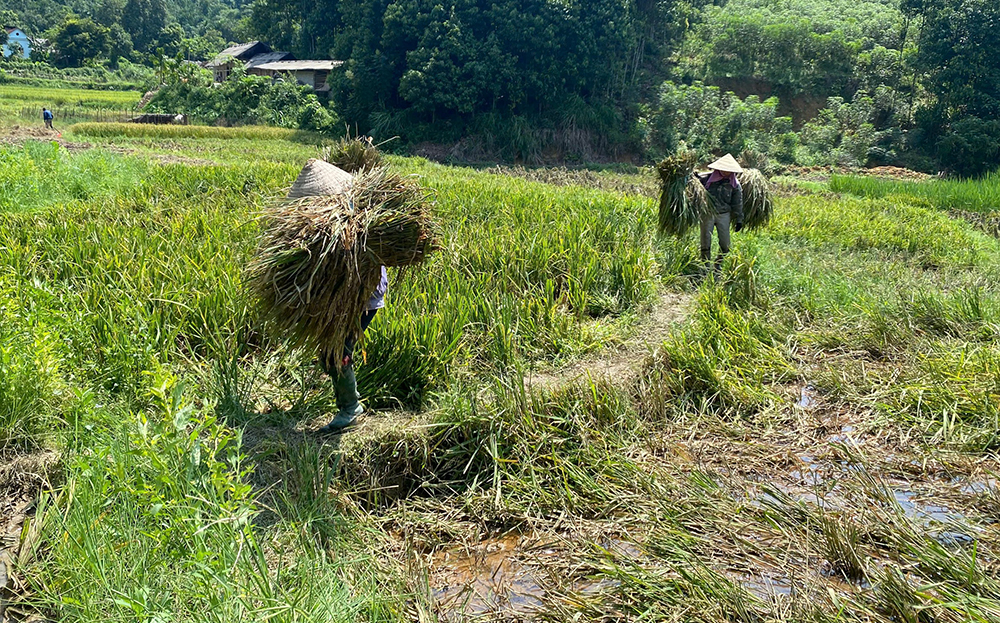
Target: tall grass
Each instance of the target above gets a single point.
(979, 195)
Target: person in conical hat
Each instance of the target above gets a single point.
(318, 178)
(726, 199)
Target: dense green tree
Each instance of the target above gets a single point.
(109, 12)
(77, 40)
(958, 49)
(203, 47)
(957, 59)
(169, 39)
(119, 44)
(144, 20)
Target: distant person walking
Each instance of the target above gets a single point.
(47, 117)
(726, 198)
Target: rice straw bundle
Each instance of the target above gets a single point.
(757, 203)
(683, 200)
(320, 258)
(354, 155)
(753, 159)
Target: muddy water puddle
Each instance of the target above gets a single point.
(514, 575)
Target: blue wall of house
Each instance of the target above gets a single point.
(17, 35)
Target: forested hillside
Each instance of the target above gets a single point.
(862, 82)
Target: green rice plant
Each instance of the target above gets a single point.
(896, 597)
(951, 393)
(842, 547)
(161, 132)
(32, 388)
(176, 539)
(980, 195)
(725, 360)
(927, 237)
(60, 96)
(39, 174)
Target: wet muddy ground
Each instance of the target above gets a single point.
(829, 464)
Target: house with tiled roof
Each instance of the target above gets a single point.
(260, 60)
(246, 54)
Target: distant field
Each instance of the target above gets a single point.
(23, 104)
(168, 132)
(566, 414)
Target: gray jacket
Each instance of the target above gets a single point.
(726, 199)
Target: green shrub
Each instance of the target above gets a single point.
(971, 147)
(711, 121)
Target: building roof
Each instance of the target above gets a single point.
(243, 52)
(300, 65)
(11, 29)
(269, 57)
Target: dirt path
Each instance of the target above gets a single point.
(621, 364)
(18, 135)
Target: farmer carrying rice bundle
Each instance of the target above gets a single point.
(725, 196)
(728, 197)
(319, 277)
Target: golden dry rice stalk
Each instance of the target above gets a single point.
(320, 258)
(758, 205)
(355, 155)
(683, 200)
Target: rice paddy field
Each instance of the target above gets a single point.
(566, 421)
(22, 105)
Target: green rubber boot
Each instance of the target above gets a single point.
(349, 406)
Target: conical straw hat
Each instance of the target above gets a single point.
(726, 163)
(319, 178)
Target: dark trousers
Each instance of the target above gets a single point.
(345, 384)
(48, 124)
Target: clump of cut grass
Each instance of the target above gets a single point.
(842, 547)
(354, 155)
(683, 200)
(753, 159)
(758, 206)
(321, 257)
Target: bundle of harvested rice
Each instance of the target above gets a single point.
(320, 258)
(757, 203)
(354, 155)
(753, 159)
(683, 200)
